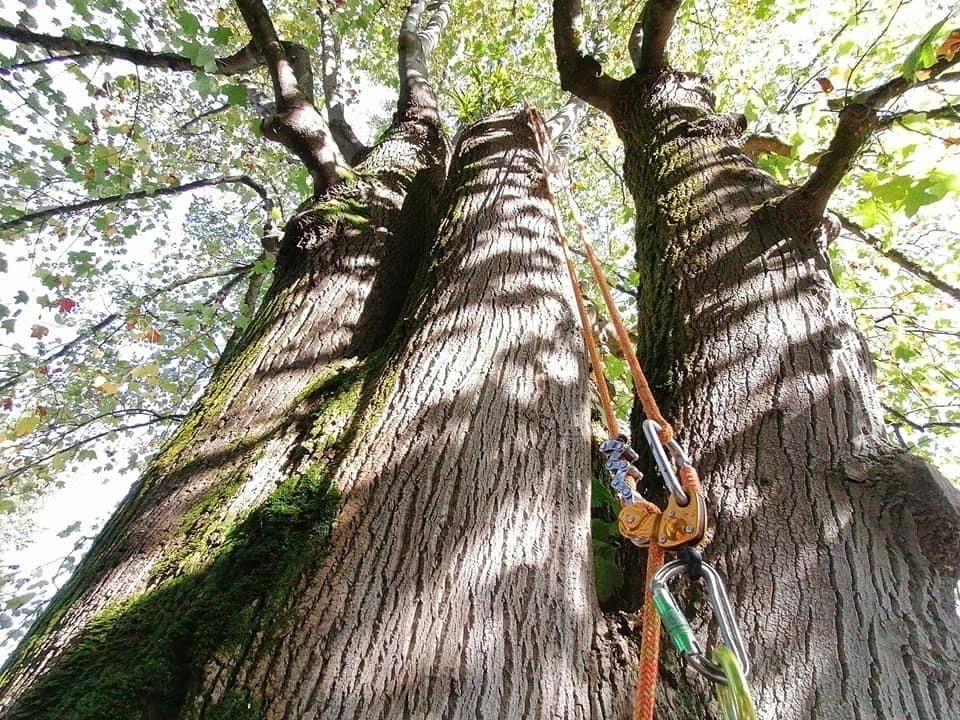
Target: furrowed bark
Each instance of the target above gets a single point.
(843, 587)
(457, 583)
(183, 542)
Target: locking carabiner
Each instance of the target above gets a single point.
(677, 626)
(651, 431)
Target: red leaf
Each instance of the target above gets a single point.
(6, 403)
(825, 84)
(66, 305)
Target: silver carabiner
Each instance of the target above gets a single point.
(677, 626)
(651, 431)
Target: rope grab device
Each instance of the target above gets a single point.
(680, 527)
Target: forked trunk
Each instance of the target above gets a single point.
(169, 578)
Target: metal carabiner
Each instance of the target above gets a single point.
(677, 626)
(651, 431)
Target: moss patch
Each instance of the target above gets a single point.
(137, 660)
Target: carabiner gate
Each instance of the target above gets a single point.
(677, 626)
(651, 431)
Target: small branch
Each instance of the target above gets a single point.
(205, 114)
(897, 257)
(138, 195)
(657, 24)
(919, 426)
(561, 128)
(753, 145)
(353, 150)
(113, 317)
(946, 112)
(634, 43)
(45, 61)
(414, 45)
(858, 120)
(297, 125)
(17, 472)
(580, 74)
(243, 60)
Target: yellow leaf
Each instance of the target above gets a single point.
(26, 425)
(109, 388)
(143, 371)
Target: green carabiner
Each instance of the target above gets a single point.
(734, 696)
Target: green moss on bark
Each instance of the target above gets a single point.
(137, 660)
(140, 659)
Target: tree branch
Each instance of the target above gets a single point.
(758, 143)
(239, 270)
(657, 24)
(945, 112)
(580, 74)
(243, 60)
(16, 472)
(297, 125)
(919, 426)
(353, 150)
(414, 45)
(138, 195)
(858, 120)
(562, 126)
(897, 257)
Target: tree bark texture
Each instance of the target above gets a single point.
(457, 582)
(342, 274)
(840, 552)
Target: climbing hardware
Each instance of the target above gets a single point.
(680, 526)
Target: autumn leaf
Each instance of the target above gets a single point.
(152, 335)
(145, 371)
(66, 305)
(39, 332)
(40, 411)
(26, 425)
(825, 84)
(951, 46)
(6, 403)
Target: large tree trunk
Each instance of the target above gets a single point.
(177, 570)
(455, 580)
(840, 552)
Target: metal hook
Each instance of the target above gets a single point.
(651, 431)
(677, 626)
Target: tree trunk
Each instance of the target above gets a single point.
(212, 531)
(840, 551)
(455, 581)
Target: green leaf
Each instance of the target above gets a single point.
(608, 577)
(236, 94)
(69, 530)
(188, 22)
(922, 55)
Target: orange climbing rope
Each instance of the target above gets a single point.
(644, 523)
(681, 525)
